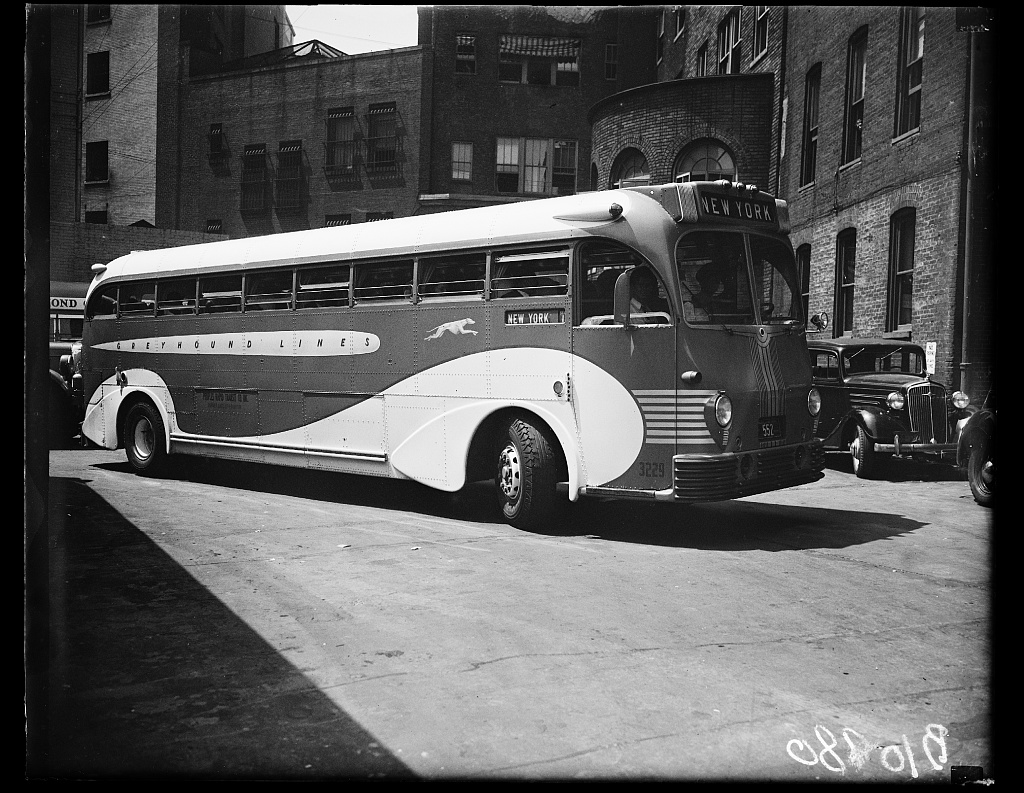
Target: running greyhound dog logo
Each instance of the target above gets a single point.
(455, 328)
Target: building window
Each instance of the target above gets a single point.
(901, 270)
(382, 137)
(812, 91)
(340, 146)
(704, 161)
(216, 140)
(729, 44)
(214, 226)
(661, 37)
(337, 220)
(611, 61)
(290, 176)
(97, 12)
(96, 163)
(97, 79)
(679, 18)
(535, 60)
(846, 265)
(856, 78)
(630, 169)
(372, 216)
(462, 160)
(702, 60)
(254, 178)
(760, 30)
(535, 165)
(908, 74)
(96, 216)
(803, 269)
(465, 54)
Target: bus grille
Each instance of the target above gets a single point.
(710, 478)
(706, 479)
(926, 404)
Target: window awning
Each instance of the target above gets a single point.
(540, 46)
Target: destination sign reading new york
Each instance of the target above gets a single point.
(554, 316)
(721, 207)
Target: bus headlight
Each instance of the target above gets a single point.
(813, 402)
(723, 410)
(895, 400)
(960, 400)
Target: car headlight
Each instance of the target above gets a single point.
(76, 357)
(960, 400)
(813, 402)
(895, 400)
(723, 410)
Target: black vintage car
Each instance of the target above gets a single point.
(876, 400)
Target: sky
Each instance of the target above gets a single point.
(355, 28)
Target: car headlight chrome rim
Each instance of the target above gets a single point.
(723, 410)
(960, 400)
(895, 400)
(813, 402)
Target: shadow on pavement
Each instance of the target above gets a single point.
(152, 676)
(726, 526)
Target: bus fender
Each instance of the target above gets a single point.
(104, 414)
(453, 431)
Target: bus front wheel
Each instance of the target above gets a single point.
(526, 475)
(144, 439)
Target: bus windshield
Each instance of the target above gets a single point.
(715, 280)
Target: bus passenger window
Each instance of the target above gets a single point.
(452, 275)
(103, 303)
(392, 280)
(323, 287)
(220, 293)
(268, 290)
(176, 297)
(137, 298)
(530, 274)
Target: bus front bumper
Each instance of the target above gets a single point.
(720, 477)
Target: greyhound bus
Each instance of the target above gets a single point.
(641, 343)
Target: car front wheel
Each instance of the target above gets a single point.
(981, 473)
(862, 452)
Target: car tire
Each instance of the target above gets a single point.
(865, 459)
(981, 473)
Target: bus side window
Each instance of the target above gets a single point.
(137, 298)
(601, 264)
(268, 290)
(386, 281)
(452, 275)
(176, 297)
(220, 293)
(530, 274)
(323, 287)
(103, 303)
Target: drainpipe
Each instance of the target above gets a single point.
(782, 102)
(965, 333)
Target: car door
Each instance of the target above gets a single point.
(834, 402)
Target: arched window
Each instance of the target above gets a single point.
(630, 170)
(704, 160)
(593, 176)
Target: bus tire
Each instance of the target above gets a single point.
(862, 452)
(144, 439)
(526, 474)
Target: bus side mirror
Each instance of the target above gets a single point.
(622, 296)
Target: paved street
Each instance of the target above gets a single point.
(230, 620)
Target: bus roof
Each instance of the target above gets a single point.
(538, 220)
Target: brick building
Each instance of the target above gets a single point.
(510, 90)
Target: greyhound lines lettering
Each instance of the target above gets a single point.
(543, 363)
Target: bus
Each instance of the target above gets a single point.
(639, 343)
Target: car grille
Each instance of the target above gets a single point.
(926, 404)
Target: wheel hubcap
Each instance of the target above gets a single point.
(988, 473)
(509, 477)
(144, 440)
(855, 452)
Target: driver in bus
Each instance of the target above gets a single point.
(645, 297)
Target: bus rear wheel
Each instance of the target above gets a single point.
(144, 439)
(526, 475)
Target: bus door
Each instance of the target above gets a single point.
(624, 379)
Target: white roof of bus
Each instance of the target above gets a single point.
(523, 221)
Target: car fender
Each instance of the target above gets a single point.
(878, 426)
(979, 428)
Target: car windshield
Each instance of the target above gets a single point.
(716, 286)
(864, 360)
